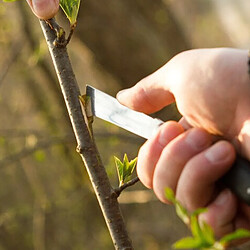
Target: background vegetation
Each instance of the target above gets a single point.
(46, 200)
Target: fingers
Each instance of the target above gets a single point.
(197, 181)
(151, 151)
(149, 95)
(44, 9)
(175, 156)
(243, 218)
(190, 164)
(185, 162)
(221, 213)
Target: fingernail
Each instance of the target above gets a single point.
(163, 138)
(121, 93)
(222, 198)
(197, 139)
(218, 152)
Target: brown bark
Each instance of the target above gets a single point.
(86, 146)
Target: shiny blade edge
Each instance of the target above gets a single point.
(109, 109)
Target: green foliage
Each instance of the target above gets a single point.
(202, 233)
(125, 168)
(188, 242)
(238, 234)
(180, 210)
(70, 8)
(9, 1)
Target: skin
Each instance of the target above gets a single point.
(211, 88)
(44, 9)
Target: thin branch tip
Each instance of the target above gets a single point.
(130, 183)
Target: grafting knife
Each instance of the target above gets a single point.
(109, 109)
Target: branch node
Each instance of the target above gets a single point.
(125, 185)
(114, 194)
(81, 149)
(60, 40)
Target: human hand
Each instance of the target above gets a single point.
(211, 88)
(44, 9)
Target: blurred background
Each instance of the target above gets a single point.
(46, 199)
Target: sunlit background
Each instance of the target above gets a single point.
(46, 199)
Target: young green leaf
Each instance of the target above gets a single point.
(180, 210)
(182, 213)
(119, 167)
(70, 8)
(203, 235)
(200, 230)
(9, 1)
(199, 211)
(195, 226)
(188, 242)
(125, 169)
(208, 233)
(131, 166)
(238, 234)
(170, 195)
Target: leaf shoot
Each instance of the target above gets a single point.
(202, 234)
(125, 169)
(70, 8)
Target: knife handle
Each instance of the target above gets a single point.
(238, 179)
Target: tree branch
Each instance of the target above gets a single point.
(85, 144)
(126, 185)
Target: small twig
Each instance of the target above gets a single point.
(60, 40)
(126, 185)
(72, 28)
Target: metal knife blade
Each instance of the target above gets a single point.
(109, 109)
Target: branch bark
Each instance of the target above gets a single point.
(85, 145)
(126, 185)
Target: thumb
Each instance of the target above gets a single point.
(149, 95)
(44, 9)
